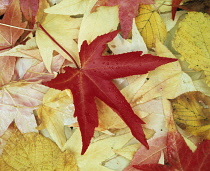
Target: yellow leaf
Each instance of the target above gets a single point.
(128, 151)
(101, 21)
(167, 81)
(29, 50)
(150, 25)
(201, 85)
(69, 7)
(55, 112)
(192, 113)
(163, 5)
(32, 151)
(63, 29)
(192, 41)
(104, 20)
(98, 151)
(107, 117)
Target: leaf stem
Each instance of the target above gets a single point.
(17, 27)
(6, 48)
(45, 31)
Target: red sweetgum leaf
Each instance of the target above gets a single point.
(175, 4)
(180, 157)
(29, 9)
(128, 9)
(93, 80)
(13, 17)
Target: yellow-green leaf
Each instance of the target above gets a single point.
(192, 113)
(192, 41)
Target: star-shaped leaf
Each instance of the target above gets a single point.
(93, 80)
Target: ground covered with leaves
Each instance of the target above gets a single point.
(101, 85)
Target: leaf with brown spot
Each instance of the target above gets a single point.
(192, 113)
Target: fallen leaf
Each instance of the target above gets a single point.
(167, 81)
(7, 65)
(119, 45)
(3, 6)
(7, 134)
(150, 25)
(144, 156)
(104, 20)
(180, 157)
(197, 5)
(33, 151)
(13, 17)
(29, 50)
(127, 11)
(108, 119)
(70, 7)
(192, 42)
(17, 102)
(177, 156)
(37, 72)
(175, 5)
(163, 6)
(55, 112)
(201, 86)
(63, 43)
(29, 9)
(166, 17)
(93, 79)
(191, 113)
(128, 151)
(99, 150)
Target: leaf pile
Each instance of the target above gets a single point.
(124, 82)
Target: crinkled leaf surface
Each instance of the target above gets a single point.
(12, 16)
(93, 79)
(128, 9)
(191, 113)
(192, 41)
(32, 151)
